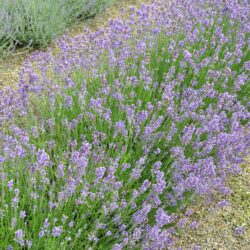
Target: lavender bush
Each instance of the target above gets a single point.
(36, 23)
(104, 143)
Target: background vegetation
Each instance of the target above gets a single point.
(35, 23)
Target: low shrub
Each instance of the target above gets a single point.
(36, 23)
(104, 144)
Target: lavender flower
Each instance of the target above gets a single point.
(22, 214)
(238, 231)
(124, 124)
(10, 184)
(19, 234)
(57, 231)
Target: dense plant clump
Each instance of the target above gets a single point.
(105, 142)
(37, 22)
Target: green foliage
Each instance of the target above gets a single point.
(36, 22)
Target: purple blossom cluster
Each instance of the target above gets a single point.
(103, 142)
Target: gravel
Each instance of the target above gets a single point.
(226, 228)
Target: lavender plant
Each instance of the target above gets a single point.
(36, 23)
(105, 143)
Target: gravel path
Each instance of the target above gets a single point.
(226, 228)
(10, 66)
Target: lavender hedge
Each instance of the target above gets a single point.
(104, 143)
(35, 23)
